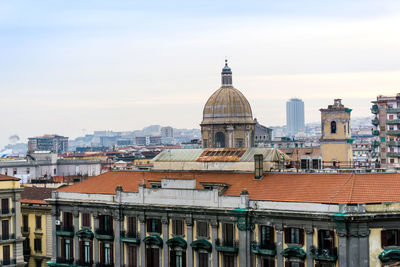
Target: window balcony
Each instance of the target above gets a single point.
(8, 262)
(65, 230)
(393, 132)
(374, 109)
(375, 132)
(104, 234)
(324, 254)
(393, 110)
(7, 237)
(65, 261)
(231, 246)
(375, 143)
(263, 249)
(25, 230)
(393, 154)
(130, 237)
(393, 122)
(375, 122)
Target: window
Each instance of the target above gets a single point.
(205, 143)
(66, 249)
(333, 127)
(203, 259)
(132, 228)
(85, 220)
(4, 206)
(229, 261)
(153, 225)
(106, 253)
(258, 165)
(177, 227)
(132, 256)
(26, 246)
(268, 262)
(155, 185)
(239, 142)
(294, 236)
(106, 224)
(5, 230)
(38, 245)
(67, 221)
(39, 222)
(25, 223)
(86, 252)
(15, 171)
(202, 229)
(219, 139)
(227, 234)
(177, 258)
(28, 170)
(326, 239)
(152, 257)
(390, 237)
(266, 236)
(6, 255)
(38, 263)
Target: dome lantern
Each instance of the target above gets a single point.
(226, 75)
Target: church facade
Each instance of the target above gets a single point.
(227, 117)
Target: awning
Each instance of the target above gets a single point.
(177, 242)
(296, 252)
(201, 244)
(390, 255)
(85, 233)
(153, 240)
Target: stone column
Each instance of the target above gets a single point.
(279, 245)
(243, 256)
(353, 246)
(75, 213)
(117, 239)
(363, 234)
(142, 221)
(189, 230)
(54, 218)
(165, 230)
(230, 142)
(214, 236)
(95, 240)
(309, 243)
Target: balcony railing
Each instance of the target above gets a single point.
(83, 263)
(375, 122)
(227, 245)
(393, 110)
(375, 143)
(7, 237)
(8, 262)
(393, 154)
(393, 143)
(131, 237)
(104, 234)
(65, 230)
(375, 132)
(65, 261)
(374, 109)
(393, 132)
(393, 122)
(268, 249)
(326, 254)
(25, 230)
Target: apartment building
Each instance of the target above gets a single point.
(36, 225)
(10, 224)
(227, 219)
(386, 147)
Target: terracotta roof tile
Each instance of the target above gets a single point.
(8, 178)
(316, 188)
(36, 194)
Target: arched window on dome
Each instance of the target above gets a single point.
(333, 127)
(219, 139)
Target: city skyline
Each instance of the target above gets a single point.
(75, 66)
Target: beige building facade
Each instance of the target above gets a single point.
(336, 141)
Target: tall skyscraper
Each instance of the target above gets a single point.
(294, 116)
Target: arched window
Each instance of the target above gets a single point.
(333, 127)
(219, 139)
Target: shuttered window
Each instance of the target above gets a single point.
(326, 239)
(203, 259)
(132, 226)
(227, 234)
(390, 237)
(153, 225)
(266, 235)
(202, 229)
(85, 220)
(38, 244)
(177, 227)
(294, 235)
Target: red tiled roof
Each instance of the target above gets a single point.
(36, 195)
(315, 188)
(30, 201)
(8, 178)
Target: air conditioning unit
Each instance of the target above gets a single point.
(58, 222)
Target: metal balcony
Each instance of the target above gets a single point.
(231, 246)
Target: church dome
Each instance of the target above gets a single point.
(227, 105)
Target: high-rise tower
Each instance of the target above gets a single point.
(294, 117)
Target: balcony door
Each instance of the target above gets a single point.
(177, 258)
(132, 256)
(152, 257)
(229, 261)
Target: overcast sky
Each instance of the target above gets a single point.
(71, 67)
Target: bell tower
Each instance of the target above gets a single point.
(336, 142)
